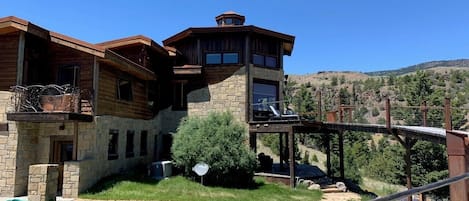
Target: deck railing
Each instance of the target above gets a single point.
(423, 189)
(51, 98)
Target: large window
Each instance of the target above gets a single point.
(112, 152)
(264, 94)
(264, 60)
(124, 90)
(129, 147)
(222, 58)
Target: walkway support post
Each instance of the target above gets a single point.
(253, 141)
(328, 155)
(458, 157)
(281, 151)
(341, 155)
(388, 114)
(291, 150)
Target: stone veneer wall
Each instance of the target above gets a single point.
(227, 95)
(93, 162)
(8, 145)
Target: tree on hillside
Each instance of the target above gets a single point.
(304, 102)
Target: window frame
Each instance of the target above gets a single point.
(120, 92)
(265, 110)
(222, 58)
(62, 79)
(265, 62)
(130, 144)
(113, 144)
(143, 143)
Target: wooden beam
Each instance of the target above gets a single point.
(281, 151)
(328, 155)
(75, 141)
(253, 141)
(47, 117)
(341, 155)
(20, 59)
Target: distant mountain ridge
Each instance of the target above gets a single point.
(422, 66)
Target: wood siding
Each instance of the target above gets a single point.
(108, 104)
(8, 60)
(61, 56)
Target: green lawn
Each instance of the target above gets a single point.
(180, 188)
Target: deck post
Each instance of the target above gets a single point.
(280, 141)
(328, 155)
(388, 114)
(319, 106)
(458, 157)
(408, 164)
(341, 155)
(291, 149)
(75, 141)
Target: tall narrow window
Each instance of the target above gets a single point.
(129, 147)
(264, 94)
(143, 143)
(112, 145)
(69, 75)
(124, 90)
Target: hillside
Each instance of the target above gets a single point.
(459, 63)
(447, 78)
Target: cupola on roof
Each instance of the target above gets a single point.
(230, 18)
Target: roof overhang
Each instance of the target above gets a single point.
(134, 40)
(287, 40)
(127, 65)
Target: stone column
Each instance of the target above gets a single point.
(42, 184)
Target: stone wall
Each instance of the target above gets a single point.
(42, 184)
(8, 145)
(227, 95)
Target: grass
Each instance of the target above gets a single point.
(180, 188)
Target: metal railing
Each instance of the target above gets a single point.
(50, 98)
(423, 189)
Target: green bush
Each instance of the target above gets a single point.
(218, 141)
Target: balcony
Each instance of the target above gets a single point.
(50, 103)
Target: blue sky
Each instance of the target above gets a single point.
(331, 35)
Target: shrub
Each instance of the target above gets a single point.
(218, 141)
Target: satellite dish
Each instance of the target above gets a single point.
(201, 168)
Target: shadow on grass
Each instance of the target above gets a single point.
(108, 182)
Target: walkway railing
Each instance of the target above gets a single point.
(423, 189)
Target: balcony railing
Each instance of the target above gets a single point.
(51, 98)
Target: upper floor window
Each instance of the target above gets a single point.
(264, 60)
(264, 94)
(222, 58)
(124, 90)
(69, 75)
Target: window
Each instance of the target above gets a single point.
(222, 58)
(258, 59)
(179, 96)
(69, 75)
(124, 90)
(230, 58)
(143, 143)
(129, 147)
(213, 58)
(262, 60)
(270, 61)
(264, 94)
(112, 152)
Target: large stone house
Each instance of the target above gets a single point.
(100, 109)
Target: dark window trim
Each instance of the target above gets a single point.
(76, 75)
(143, 145)
(130, 144)
(221, 58)
(113, 154)
(119, 92)
(277, 94)
(264, 63)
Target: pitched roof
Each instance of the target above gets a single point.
(288, 40)
(13, 24)
(134, 40)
